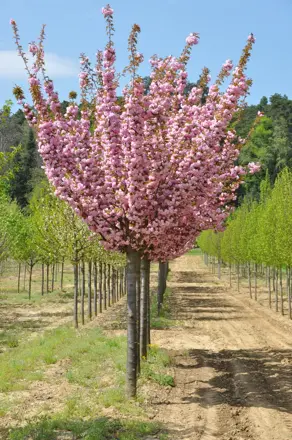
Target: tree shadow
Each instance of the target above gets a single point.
(190, 277)
(206, 290)
(204, 303)
(102, 428)
(250, 378)
(25, 324)
(54, 314)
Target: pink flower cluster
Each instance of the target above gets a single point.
(192, 39)
(254, 167)
(107, 11)
(33, 48)
(153, 173)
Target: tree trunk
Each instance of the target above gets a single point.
(79, 278)
(238, 276)
(19, 274)
(133, 258)
(100, 287)
(48, 277)
(43, 279)
(82, 291)
(145, 278)
(118, 284)
(24, 278)
(29, 281)
(138, 299)
(149, 309)
(89, 289)
(114, 285)
(95, 288)
(276, 292)
(105, 286)
(62, 275)
(281, 291)
(230, 275)
(255, 282)
(76, 283)
(53, 277)
(121, 283)
(109, 284)
(249, 280)
(269, 286)
(161, 285)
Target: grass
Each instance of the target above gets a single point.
(165, 319)
(86, 349)
(195, 251)
(156, 365)
(95, 364)
(19, 316)
(98, 429)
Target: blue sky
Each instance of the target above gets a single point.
(75, 26)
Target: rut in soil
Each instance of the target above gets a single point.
(232, 362)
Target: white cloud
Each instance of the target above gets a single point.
(11, 65)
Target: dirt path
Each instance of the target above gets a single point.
(232, 362)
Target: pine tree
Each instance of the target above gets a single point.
(28, 170)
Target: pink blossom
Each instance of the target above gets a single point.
(151, 173)
(33, 81)
(33, 49)
(254, 167)
(107, 11)
(140, 57)
(260, 114)
(228, 65)
(192, 39)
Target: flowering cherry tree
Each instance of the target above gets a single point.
(149, 171)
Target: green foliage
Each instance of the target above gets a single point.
(8, 212)
(258, 232)
(28, 170)
(61, 234)
(270, 142)
(210, 242)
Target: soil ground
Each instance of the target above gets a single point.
(232, 362)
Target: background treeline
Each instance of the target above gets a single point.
(270, 143)
(49, 233)
(257, 242)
